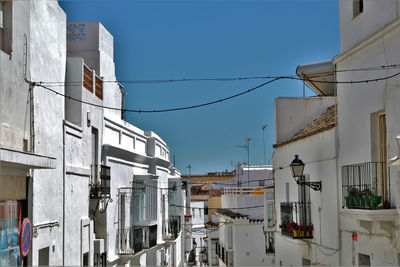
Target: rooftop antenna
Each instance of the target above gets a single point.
(247, 147)
(263, 129)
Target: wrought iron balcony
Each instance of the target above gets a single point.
(226, 256)
(132, 240)
(100, 187)
(174, 227)
(366, 185)
(296, 220)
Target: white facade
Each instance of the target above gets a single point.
(31, 130)
(241, 228)
(318, 152)
(253, 175)
(368, 125)
(65, 164)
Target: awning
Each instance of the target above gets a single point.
(319, 76)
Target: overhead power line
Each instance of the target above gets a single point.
(214, 101)
(222, 79)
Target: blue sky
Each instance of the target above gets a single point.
(212, 39)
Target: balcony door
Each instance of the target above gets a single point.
(304, 199)
(383, 158)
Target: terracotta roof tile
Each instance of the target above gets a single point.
(325, 121)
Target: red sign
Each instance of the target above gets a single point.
(355, 237)
(25, 237)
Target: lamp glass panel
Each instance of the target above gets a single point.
(297, 170)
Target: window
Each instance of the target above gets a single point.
(269, 243)
(139, 195)
(153, 199)
(304, 198)
(364, 260)
(269, 209)
(173, 197)
(5, 26)
(229, 234)
(358, 7)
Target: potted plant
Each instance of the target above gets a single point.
(375, 201)
(366, 196)
(301, 230)
(294, 227)
(352, 199)
(309, 229)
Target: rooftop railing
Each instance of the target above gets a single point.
(243, 191)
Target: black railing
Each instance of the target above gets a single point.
(100, 187)
(132, 240)
(125, 242)
(366, 185)
(174, 225)
(105, 179)
(296, 220)
(226, 256)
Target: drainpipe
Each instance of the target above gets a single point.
(63, 216)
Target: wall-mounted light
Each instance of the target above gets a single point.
(297, 168)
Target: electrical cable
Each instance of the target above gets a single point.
(215, 101)
(162, 110)
(320, 74)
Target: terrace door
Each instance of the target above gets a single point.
(382, 159)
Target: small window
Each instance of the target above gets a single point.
(358, 7)
(5, 26)
(363, 260)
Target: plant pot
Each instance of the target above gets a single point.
(367, 202)
(349, 202)
(375, 201)
(356, 202)
(301, 233)
(308, 233)
(362, 202)
(295, 233)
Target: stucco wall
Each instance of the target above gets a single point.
(47, 58)
(358, 138)
(373, 18)
(318, 152)
(249, 245)
(294, 113)
(14, 93)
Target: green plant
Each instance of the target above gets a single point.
(353, 192)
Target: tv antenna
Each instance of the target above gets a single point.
(247, 148)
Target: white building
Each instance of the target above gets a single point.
(307, 218)
(241, 235)
(31, 131)
(97, 189)
(253, 175)
(368, 115)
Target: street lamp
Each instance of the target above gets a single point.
(297, 168)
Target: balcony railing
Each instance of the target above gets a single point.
(174, 226)
(102, 187)
(366, 185)
(132, 240)
(91, 81)
(226, 256)
(296, 220)
(243, 191)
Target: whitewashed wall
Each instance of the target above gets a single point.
(47, 57)
(358, 104)
(302, 112)
(318, 152)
